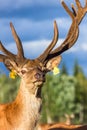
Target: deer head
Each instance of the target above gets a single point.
(33, 71)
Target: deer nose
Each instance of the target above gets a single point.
(39, 76)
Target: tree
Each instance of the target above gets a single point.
(8, 88)
(59, 98)
(77, 69)
(64, 69)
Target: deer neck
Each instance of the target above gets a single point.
(26, 107)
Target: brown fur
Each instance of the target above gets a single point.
(61, 126)
(21, 114)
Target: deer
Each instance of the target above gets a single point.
(23, 113)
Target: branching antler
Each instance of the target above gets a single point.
(76, 15)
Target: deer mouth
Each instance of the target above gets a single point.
(39, 82)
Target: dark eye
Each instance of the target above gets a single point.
(23, 71)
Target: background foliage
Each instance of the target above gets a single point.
(63, 95)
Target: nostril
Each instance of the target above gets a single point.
(37, 76)
(43, 75)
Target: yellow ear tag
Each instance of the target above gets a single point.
(12, 74)
(56, 70)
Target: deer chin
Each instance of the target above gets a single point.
(39, 83)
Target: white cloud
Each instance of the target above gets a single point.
(17, 4)
(37, 2)
(26, 27)
(78, 48)
(35, 48)
(84, 47)
(64, 23)
(31, 48)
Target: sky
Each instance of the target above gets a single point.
(33, 21)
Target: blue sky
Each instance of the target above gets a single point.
(33, 21)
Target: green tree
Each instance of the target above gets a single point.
(59, 98)
(64, 70)
(8, 89)
(81, 91)
(81, 95)
(77, 69)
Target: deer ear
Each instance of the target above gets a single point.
(54, 62)
(10, 64)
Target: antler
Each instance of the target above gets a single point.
(20, 53)
(51, 46)
(18, 42)
(76, 16)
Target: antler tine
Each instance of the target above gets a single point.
(74, 9)
(52, 44)
(68, 10)
(18, 42)
(77, 16)
(86, 4)
(81, 10)
(78, 3)
(4, 50)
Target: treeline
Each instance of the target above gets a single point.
(64, 96)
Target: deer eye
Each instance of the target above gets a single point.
(23, 71)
